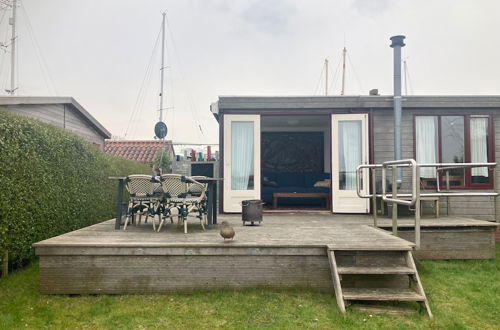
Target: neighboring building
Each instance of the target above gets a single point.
(314, 144)
(58, 111)
(144, 151)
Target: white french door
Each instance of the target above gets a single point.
(241, 160)
(349, 150)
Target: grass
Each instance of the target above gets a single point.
(462, 294)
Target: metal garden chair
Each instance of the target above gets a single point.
(173, 186)
(143, 200)
(197, 192)
(184, 194)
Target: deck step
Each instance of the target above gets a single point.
(383, 309)
(386, 269)
(381, 294)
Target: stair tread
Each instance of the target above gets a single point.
(382, 309)
(381, 294)
(386, 269)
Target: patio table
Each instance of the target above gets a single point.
(211, 196)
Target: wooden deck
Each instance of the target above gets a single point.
(280, 230)
(285, 251)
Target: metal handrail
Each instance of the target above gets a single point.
(398, 163)
(415, 194)
(441, 194)
(447, 167)
(359, 175)
(457, 165)
(432, 194)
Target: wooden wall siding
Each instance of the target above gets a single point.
(49, 113)
(77, 124)
(458, 243)
(147, 274)
(474, 207)
(55, 115)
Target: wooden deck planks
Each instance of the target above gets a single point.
(276, 231)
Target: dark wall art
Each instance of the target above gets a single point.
(292, 152)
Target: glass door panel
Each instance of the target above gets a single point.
(349, 150)
(241, 154)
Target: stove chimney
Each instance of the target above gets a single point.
(397, 43)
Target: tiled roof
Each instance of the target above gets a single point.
(144, 151)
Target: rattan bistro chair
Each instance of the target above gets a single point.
(197, 192)
(173, 186)
(177, 196)
(143, 200)
(158, 205)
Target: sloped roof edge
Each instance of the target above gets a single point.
(363, 101)
(16, 100)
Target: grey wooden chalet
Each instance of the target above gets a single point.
(264, 141)
(64, 112)
(300, 154)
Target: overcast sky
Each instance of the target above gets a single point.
(98, 52)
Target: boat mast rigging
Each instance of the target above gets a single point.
(162, 64)
(160, 127)
(326, 77)
(12, 21)
(344, 52)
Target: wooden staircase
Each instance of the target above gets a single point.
(375, 275)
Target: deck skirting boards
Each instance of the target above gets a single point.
(453, 242)
(118, 274)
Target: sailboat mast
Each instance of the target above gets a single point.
(162, 65)
(326, 77)
(406, 77)
(13, 50)
(344, 52)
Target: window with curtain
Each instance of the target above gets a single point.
(479, 149)
(242, 152)
(426, 135)
(453, 139)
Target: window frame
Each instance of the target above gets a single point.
(468, 185)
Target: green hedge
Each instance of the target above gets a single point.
(51, 182)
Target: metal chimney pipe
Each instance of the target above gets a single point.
(397, 43)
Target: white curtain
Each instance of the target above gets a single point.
(426, 143)
(350, 135)
(479, 144)
(241, 154)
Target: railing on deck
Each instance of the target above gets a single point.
(413, 198)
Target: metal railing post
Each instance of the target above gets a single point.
(496, 190)
(417, 207)
(374, 197)
(447, 189)
(394, 204)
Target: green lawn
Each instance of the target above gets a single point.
(462, 294)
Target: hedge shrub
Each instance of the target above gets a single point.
(51, 182)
